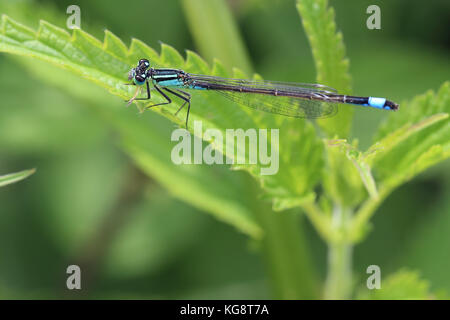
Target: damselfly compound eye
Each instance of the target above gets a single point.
(144, 63)
(139, 79)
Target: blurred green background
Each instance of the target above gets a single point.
(87, 204)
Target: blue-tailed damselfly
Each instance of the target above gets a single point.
(299, 100)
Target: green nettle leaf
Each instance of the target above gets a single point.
(301, 164)
(329, 56)
(15, 177)
(402, 285)
(107, 64)
(146, 139)
(409, 142)
(423, 138)
(350, 174)
(194, 184)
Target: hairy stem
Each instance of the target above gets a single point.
(339, 278)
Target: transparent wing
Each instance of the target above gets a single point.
(297, 107)
(285, 106)
(293, 86)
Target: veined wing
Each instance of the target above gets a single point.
(294, 86)
(285, 106)
(301, 106)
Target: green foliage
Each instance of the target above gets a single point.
(421, 140)
(354, 182)
(402, 285)
(346, 185)
(214, 40)
(197, 184)
(80, 53)
(329, 56)
(147, 246)
(408, 144)
(301, 156)
(15, 177)
(150, 151)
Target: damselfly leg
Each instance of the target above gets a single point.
(186, 97)
(137, 93)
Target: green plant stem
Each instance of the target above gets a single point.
(284, 250)
(288, 262)
(216, 33)
(339, 277)
(363, 215)
(318, 220)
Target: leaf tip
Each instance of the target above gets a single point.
(114, 45)
(193, 60)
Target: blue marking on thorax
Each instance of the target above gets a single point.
(377, 102)
(169, 75)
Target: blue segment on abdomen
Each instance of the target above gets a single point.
(170, 83)
(194, 85)
(377, 102)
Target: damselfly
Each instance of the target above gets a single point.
(299, 100)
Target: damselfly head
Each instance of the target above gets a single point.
(140, 73)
